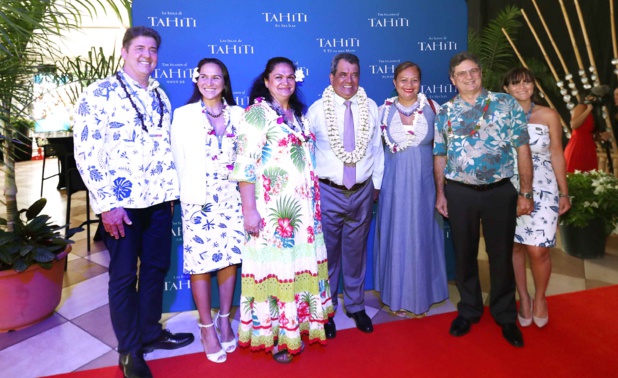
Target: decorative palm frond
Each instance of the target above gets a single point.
(78, 73)
(493, 49)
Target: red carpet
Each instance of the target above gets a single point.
(581, 340)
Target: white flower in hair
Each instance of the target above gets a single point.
(196, 75)
(299, 75)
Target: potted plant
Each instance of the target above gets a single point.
(593, 215)
(32, 261)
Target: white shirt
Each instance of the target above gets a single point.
(328, 166)
(121, 164)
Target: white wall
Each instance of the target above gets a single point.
(102, 30)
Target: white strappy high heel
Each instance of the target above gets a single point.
(228, 346)
(217, 357)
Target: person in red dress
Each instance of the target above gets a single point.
(581, 151)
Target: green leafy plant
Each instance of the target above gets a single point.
(594, 195)
(28, 30)
(35, 240)
(81, 71)
(493, 49)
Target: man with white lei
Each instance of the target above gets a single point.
(350, 164)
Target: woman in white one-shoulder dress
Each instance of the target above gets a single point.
(536, 233)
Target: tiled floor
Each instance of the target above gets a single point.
(80, 331)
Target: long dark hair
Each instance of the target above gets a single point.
(227, 83)
(258, 89)
(519, 74)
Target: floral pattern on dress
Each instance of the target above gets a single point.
(285, 290)
(213, 232)
(539, 228)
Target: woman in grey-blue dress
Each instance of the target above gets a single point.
(409, 266)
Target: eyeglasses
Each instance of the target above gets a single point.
(474, 72)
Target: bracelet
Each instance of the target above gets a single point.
(564, 196)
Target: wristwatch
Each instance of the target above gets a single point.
(526, 195)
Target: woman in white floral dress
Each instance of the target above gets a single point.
(536, 233)
(285, 290)
(204, 137)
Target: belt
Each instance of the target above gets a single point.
(354, 188)
(481, 188)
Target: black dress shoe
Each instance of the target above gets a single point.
(169, 340)
(329, 329)
(512, 334)
(133, 365)
(461, 325)
(363, 322)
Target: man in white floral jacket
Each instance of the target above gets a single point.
(123, 154)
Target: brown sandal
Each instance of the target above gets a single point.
(283, 356)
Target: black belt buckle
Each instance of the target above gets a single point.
(354, 188)
(482, 188)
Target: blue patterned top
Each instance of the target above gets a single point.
(478, 139)
(121, 164)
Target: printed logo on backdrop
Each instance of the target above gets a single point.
(172, 19)
(231, 46)
(173, 73)
(241, 98)
(439, 92)
(285, 19)
(388, 20)
(177, 281)
(338, 45)
(384, 69)
(437, 44)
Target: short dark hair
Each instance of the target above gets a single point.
(258, 89)
(519, 74)
(404, 66)
(227, 83)
(350, 58)
(460, 57)
(139, 31)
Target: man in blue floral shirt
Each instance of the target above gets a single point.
(479, 135)
(123, 153)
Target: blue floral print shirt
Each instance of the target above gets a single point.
(121, 164)
(479, 140)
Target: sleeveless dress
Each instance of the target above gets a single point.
(539, 228)
(581, 151)
(409, 262)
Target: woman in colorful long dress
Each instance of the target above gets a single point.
(285, 289)
(536, 233)
(204, 136)
(409, 267)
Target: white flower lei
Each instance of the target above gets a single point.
(362, 134)
(410, 136)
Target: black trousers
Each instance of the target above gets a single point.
(496, 210)
(136, 300)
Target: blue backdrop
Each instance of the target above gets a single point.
(244, 34)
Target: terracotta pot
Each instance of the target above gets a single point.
(32, 295)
